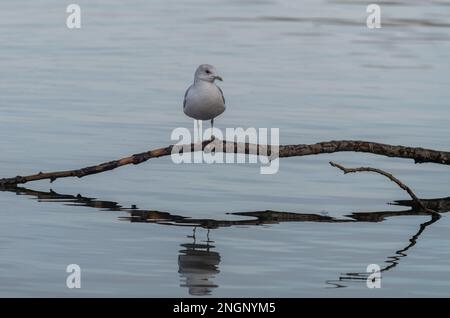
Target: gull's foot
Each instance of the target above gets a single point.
(209, 148)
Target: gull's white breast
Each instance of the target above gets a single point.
(204, 101)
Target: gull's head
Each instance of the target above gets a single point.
(208, 73)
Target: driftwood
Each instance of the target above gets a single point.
(419, 155)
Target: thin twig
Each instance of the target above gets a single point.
(391, 177)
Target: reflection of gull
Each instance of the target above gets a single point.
(197, 265)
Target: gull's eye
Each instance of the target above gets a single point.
(208, 72)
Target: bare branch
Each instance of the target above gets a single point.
(403, 186)
(419, 155)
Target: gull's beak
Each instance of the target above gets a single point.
(217, 77)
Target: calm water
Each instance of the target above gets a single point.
(71, 98)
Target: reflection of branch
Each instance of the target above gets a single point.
(413, 240)
(393, 261)
(390, 177)
(442, 204)
(419, 155)
(254, 218)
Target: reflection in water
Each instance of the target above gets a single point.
(198, 264)
(439, 205)
(392, 261)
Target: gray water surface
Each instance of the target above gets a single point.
(73, 98)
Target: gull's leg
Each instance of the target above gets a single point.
(212, 128)
(193, 233)
(198, 132)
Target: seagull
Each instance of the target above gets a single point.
(204, 100)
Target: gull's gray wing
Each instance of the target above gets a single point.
(185, 95)
(223, 98)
